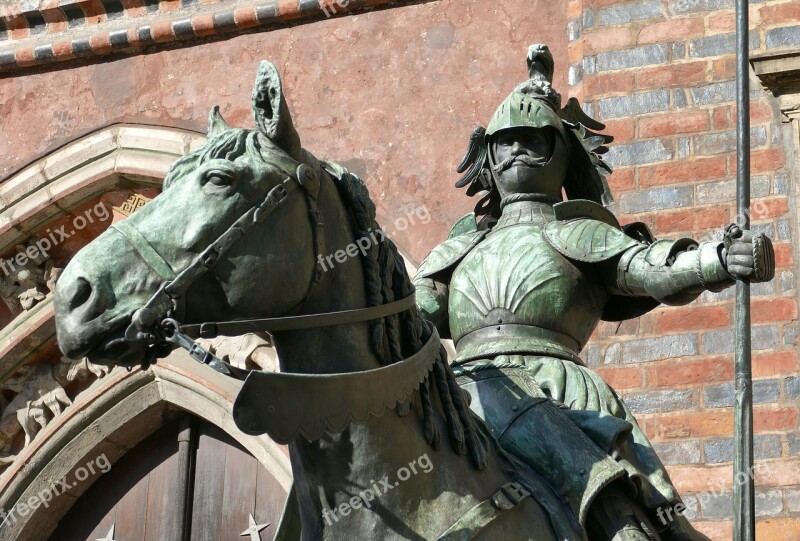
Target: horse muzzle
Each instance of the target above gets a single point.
(94, 299)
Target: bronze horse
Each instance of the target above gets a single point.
(237, 234)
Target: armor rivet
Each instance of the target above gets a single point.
(514, 407)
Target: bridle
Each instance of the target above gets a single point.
(157, 323)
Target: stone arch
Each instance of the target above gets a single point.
(84, 168)
(121, 409)
(50, 187)
(111, 417)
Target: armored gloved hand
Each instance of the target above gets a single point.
(748, 255)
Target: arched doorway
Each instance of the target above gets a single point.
(188, 480)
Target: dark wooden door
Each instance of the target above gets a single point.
(158, 493)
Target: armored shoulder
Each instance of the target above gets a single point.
(465, 224)
(442, 260)
(587, 232)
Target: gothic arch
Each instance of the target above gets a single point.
(47, 189)
(119, 409)
(111, 417)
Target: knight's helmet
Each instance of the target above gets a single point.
(533, 103)
(574, 150)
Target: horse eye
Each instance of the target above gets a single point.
(219, 178)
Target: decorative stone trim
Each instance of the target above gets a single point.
(110, 418)
(54, 184)
(780, 74)
(87, 167)
(24, 335)
(61, 30)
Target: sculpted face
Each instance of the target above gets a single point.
(529, 160)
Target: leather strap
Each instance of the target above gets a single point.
(240, 227)
(149, 254)
(288, 405)
(470, 524)
(292, 323)
(172, 290)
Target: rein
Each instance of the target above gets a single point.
(157, 322)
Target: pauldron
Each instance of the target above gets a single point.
(587, 232)
(439, 264)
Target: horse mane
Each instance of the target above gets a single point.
(393, 338)
(401, 335)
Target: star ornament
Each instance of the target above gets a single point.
(110, 535)
(254, 529)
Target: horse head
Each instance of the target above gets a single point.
(205, 192)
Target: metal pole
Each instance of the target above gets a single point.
(743, 482)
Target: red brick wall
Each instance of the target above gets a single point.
(660, 74)
(392, 94)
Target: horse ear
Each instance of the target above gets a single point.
(271, 111)
(216, 124)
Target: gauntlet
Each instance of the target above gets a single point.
(748, 255)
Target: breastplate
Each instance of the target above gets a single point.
(514, 293)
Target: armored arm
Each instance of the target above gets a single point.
(431, 297)
(639, 271)
(675, 272)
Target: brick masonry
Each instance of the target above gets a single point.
(661, 74)
(35, 33)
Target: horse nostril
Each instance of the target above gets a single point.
(83, 290)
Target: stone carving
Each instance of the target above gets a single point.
(132, 204)
(249, 351)
(40, 397)
(24, 280)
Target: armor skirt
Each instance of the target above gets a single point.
(593, 406)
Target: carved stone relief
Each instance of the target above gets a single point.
(27, 277)
(38, 394)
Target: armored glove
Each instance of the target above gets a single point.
(747, 255)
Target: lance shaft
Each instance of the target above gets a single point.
(743, 481)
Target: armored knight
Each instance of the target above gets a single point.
(522, 282)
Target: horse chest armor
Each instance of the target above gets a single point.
(515, 277)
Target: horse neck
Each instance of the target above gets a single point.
(341, 349)
(338, 348)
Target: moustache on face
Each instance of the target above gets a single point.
(524, 159)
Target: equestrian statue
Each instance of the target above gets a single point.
(523, 441)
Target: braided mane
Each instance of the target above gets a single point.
(392, 338)
(401, 335)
